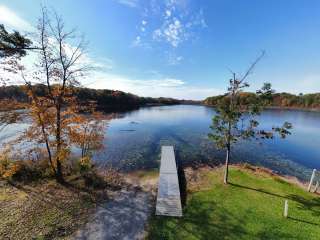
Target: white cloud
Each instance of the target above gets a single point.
(198, 20)
(168, 13)
(10, 19)
(172, 22)
(155, 86)
(136, 42)
(171, 31)
(129, 3)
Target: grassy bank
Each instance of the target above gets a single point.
(251, 207)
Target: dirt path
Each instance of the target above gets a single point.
(122, 218)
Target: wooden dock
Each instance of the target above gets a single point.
(168, 199)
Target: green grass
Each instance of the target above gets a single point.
(251, 207)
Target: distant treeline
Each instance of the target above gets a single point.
(282, 100)
(105, 100)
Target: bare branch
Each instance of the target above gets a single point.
(250, 69)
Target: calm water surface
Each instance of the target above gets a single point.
(133, 140)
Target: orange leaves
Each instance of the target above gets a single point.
(12, 169)
(87, 133)
(85, 163)
(8, 168)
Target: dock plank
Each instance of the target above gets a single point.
(168, 199)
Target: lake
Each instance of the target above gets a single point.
(133, 140)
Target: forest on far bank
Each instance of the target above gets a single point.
(104, 99)
(284, 100)
(114, 100)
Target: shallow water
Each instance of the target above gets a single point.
(133, 140)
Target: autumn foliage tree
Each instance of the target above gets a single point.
(55, 111)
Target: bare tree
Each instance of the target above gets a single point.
(60, 67)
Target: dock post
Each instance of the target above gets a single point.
(311, 179)
(285, 212)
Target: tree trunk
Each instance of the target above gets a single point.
(47, 144)
(226, 170)
(59, 175)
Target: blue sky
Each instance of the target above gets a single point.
(185, 48)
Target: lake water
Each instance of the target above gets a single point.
(133, 140)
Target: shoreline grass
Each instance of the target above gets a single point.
(250, 207)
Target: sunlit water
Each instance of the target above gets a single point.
(133, 140)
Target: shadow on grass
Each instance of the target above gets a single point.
(268, 234)
(303, 221)
(312, 205)
(182, 180)
(46, 198)
(48, 203)
(200, 221)
(207, 220)
(208, 223)
(51, 199)
(257, 190)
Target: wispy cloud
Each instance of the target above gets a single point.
(169, 22)
(10, 19)
(174, 59)
(173, 22)
(138, 42)
(129, 3)
(172, 31)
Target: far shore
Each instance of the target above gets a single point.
(117, 108)
(295, 108)
(281, 108)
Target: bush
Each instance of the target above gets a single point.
(85, 164)
(94, 180)
(22, 170)
(18, 171)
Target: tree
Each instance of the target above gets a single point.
(59, 69)
(13, 44)
(236, 119)
(13, 47)
(87, 133)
